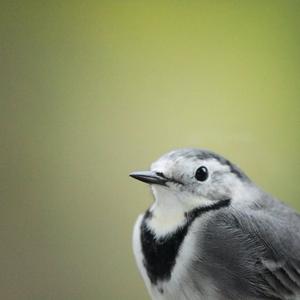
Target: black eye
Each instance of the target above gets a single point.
(201, 173)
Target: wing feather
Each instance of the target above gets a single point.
(255, 253)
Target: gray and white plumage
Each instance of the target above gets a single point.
(220, 238)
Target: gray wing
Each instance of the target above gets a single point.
(254, 254)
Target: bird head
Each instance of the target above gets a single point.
(193, 177)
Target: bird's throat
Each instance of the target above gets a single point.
(160, 252)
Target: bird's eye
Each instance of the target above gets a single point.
(201, 173)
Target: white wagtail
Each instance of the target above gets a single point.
(213, 234)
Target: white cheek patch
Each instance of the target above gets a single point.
(161, 227)
(168, 211)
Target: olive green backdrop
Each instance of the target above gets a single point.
(93, 90)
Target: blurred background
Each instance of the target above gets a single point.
(91, 91)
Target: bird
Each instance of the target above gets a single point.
(212, 234)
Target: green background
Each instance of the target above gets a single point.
(93, 90)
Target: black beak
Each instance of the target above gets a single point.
(149, 177)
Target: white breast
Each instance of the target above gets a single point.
(180, 286)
